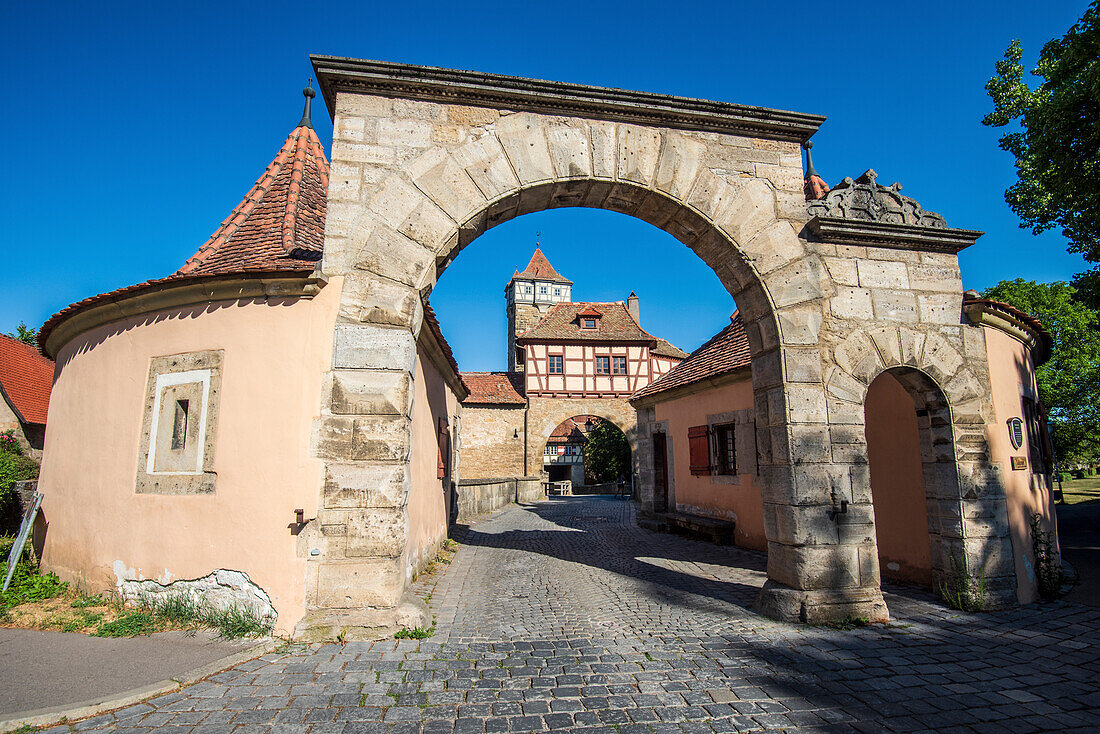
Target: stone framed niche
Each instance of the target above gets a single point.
(179, 424)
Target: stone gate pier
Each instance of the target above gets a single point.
(832, 293)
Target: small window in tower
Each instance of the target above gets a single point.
(179, 426)
(555, 364)
(543, 290)
(557, 291)
(603, 365)
(588, 323)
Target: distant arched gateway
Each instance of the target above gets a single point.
(280, 418)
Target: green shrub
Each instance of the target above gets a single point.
(1060, 477)
(1048, 567)
(14, 467)
(27, 584)
(1078, 473)
(416, 633)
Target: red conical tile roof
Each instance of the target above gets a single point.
(540, 268)
(280, 224)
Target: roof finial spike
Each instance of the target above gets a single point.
(810, 170)
(814, 186)
(309, 95)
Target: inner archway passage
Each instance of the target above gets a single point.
(894, 453)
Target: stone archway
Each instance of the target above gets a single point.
(424, 160)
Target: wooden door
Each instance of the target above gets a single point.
(660, 473)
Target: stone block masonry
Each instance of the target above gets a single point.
(425, 160)
(478, 497)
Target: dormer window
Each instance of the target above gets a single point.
(588, 323)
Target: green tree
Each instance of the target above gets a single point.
(1057, 140)
(1069, 382)
(606, 454)
(25, 334)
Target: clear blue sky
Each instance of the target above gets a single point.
(131, 129)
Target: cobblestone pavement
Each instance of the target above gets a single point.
(566, 615)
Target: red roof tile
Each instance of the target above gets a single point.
(540, 269)
(281, 221)
(666, 349)
(279, 227)
(726, 351)
(432, 322)
(561, 324)
(494, 388)
(25, 379)
(572, 429)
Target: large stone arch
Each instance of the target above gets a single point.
(425, 160)
(546, 415)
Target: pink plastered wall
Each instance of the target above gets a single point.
(433, 400)
(1010, 370)
(98, 528)
(709, 495)
(897, 483)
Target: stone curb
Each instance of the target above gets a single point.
(93, 707)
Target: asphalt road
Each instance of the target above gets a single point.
(1079, 538)
(42, 670)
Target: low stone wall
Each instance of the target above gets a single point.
(482, 496)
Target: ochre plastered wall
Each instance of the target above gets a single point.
(433, 401)
(1010, 369)
(712, 495)
(897, 483)
(275, 356)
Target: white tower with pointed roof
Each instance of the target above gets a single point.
(530, 295)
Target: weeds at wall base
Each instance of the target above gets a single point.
(960, 590)
(1048, 567)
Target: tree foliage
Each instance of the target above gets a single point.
(606, 454)
(25, 334)
(1057, 140)
(1069, 383)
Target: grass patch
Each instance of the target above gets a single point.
(1077, 491)
(130, 624)
(35, 600)
(416, 633)
(185, 612)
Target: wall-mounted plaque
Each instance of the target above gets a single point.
(1019, 462)
(1016, 432)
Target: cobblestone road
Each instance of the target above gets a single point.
(565, 615)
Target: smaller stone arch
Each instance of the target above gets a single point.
(577, 475)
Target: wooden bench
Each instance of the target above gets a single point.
(719, 532)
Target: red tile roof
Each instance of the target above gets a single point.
(540, 269)
(561, 324)
(432, 322)
(279, 227)
(572, 430)
(281, 221)
(725, 352)
(494, 388)
(666, 349)
(25, 379)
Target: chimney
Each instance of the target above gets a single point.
(632, 307)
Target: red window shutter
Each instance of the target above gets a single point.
(699, 450)
(441, 442)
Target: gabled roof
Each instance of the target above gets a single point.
(25, 379)
(494, 388)
(727, 351)
(280, 223)
(561, 324)
(667, 349)
(540, 269)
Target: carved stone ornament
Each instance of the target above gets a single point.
(865, 199)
